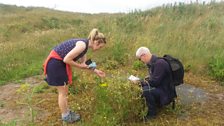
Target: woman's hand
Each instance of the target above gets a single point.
(83, 66)
(99, 73)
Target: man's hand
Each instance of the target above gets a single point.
(147, 78)
(136, 81)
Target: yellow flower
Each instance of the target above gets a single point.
(103, 85)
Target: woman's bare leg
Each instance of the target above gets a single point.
(62, 98)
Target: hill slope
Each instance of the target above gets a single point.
(193, 33)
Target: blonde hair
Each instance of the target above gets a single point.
(96, 35)
(141, 51)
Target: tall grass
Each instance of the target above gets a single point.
(216, 66)
(193, 33)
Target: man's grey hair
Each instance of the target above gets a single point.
(141, 51)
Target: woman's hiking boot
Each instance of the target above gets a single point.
(72, 117)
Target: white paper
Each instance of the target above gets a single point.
(133, 78)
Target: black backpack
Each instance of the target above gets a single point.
(177, 69)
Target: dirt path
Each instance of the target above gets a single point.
(9, 107)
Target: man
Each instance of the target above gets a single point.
(157, 90)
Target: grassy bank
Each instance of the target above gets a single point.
(192, 33)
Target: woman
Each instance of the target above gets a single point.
(57, 67)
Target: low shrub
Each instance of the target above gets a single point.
(137, 65)
(117, 102)
(216, 67)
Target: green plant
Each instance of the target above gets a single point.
(104, 111)
(50, 23)
(216, 66)
(28, 92)
(212, 24)
(138, 65)
(111, 64)
(40, 88)
(130, 22)
(116, 102)
(119, 52)
(76, 22)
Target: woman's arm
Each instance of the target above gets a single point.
(83, 59)
(68, 59)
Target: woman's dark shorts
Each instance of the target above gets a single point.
(56, 73)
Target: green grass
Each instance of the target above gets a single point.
(192, 33)
(217, 67)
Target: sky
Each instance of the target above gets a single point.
(96, 6)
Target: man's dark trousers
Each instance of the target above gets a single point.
(152, 97)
